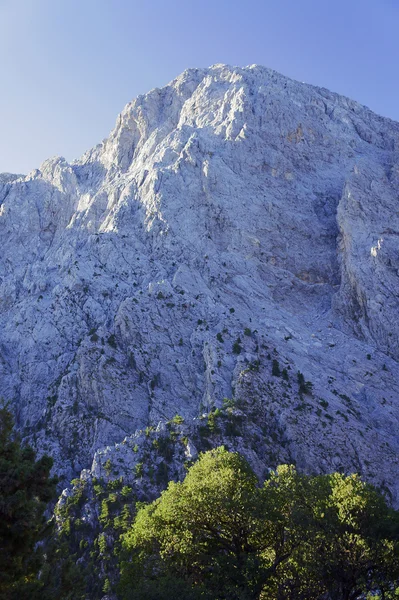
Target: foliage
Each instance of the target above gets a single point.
(177, 420)
(212, 420)
(219, 535)
(305, 387)
(82, 557)
(237, 346)
(112, 341)
(195, 531)
(25, 489)
(275, 368)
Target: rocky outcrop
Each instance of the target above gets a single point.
(231, 219)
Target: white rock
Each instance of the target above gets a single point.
(231, 199)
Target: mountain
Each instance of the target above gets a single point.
(236, 236)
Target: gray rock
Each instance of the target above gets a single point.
(232, 216)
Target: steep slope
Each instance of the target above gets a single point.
(232, 218)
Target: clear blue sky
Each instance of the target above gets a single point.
(69, 66)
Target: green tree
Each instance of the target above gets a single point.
(360, 547)
(335, 534)
(201, 530)
(25, 489)
(218, 535)
(289, 532)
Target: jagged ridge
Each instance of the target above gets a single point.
(231, 200)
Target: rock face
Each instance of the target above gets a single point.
(234, 224)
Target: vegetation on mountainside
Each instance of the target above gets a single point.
(25, 489)
(218, 534)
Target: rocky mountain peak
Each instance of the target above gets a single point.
(234, 225)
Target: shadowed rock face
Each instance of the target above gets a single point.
(230, 200)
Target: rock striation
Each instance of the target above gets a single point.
(235, 228)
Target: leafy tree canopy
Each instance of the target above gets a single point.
(219, 535)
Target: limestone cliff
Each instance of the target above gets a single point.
(232, 218)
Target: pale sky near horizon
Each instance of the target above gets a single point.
(69, 66)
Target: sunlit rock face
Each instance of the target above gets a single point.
(232, 218)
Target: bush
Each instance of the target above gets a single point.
(305, 387)
(237, 346)
(177, 420)
(275, 368)
(112, 341)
